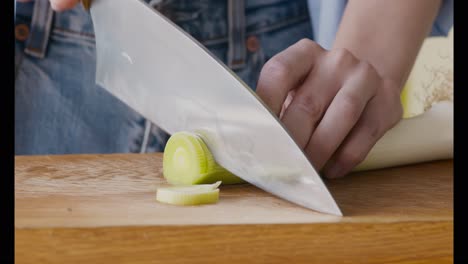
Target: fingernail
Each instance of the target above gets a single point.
(334, 171)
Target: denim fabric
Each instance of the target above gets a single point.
(58, 107)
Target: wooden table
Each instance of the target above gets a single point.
(102, 209)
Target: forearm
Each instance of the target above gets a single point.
(387, 34)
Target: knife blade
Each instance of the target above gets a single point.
(163, 73)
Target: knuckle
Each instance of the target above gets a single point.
(341, 56)
(277, 69)
(374, 130)
(367, 70)
(309, 44)
(308, 105)
(367, 73)
(351, 105)
(351, 157)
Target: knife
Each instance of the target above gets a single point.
(163, 73)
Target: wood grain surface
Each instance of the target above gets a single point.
(102, 209)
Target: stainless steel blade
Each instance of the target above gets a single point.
(167, 76)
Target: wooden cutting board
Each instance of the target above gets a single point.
(102, 209)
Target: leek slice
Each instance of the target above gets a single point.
(188, 161)
(189, 195)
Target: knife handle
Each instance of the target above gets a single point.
(86, 4)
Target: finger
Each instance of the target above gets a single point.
(315, 95)
(62, 5)
(382, 113)
(342, 114)
(285, 71)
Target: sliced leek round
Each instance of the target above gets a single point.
(187, 161)
(189, 195)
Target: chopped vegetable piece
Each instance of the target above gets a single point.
(187, 161)
(189, 195)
